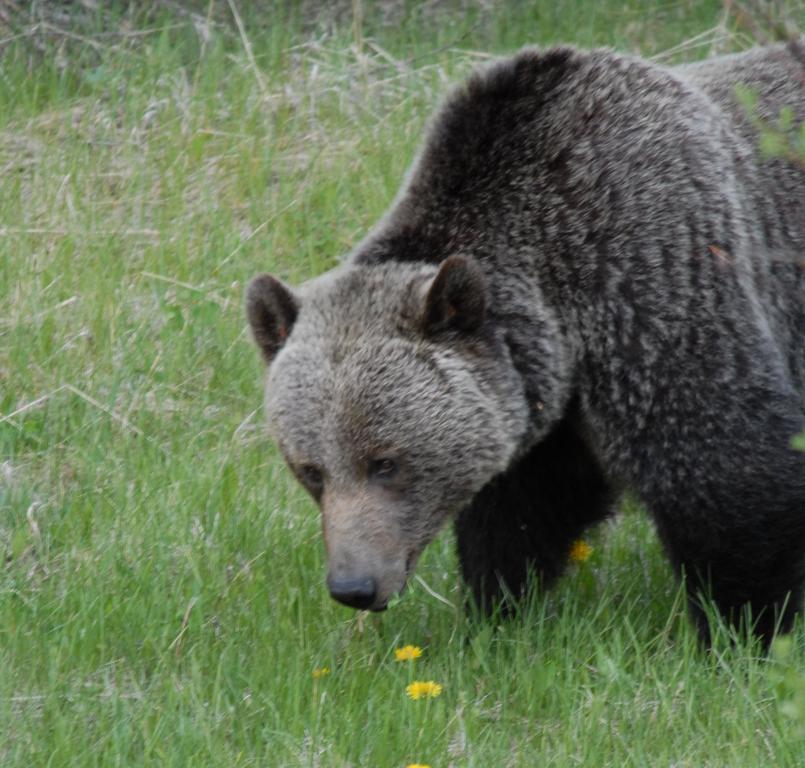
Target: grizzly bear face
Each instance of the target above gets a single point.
(393, 401)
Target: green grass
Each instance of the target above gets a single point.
(161, 576)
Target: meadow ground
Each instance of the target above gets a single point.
(161, 576)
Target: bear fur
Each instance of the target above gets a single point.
(591, 281)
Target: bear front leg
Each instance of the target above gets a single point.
(525, 520)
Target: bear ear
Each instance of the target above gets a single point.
(271, 309)
(456, 298)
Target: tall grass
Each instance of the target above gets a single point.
(161, 576)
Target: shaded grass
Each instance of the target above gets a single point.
(161, 586)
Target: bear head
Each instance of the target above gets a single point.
(394, 400)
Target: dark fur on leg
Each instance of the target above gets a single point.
(743, 549)
(525, 519)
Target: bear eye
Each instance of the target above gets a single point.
(312, 478)
(382, 469)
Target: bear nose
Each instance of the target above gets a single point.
(356, 593)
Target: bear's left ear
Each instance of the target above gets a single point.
(271, 309)
(456, 297)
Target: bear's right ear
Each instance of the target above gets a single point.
(271, 309)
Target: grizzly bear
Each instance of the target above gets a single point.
(590, 282)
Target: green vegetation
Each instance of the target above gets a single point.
(161, 576)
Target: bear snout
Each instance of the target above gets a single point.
(360, 593)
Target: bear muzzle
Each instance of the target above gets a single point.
(367, 592)
(369, 559)
(360, 593)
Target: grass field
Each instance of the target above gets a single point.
(162, 596)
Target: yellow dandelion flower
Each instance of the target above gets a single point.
(580, 551)
(320, 672)
(417, 765)
(407, 653)
(421, 689)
